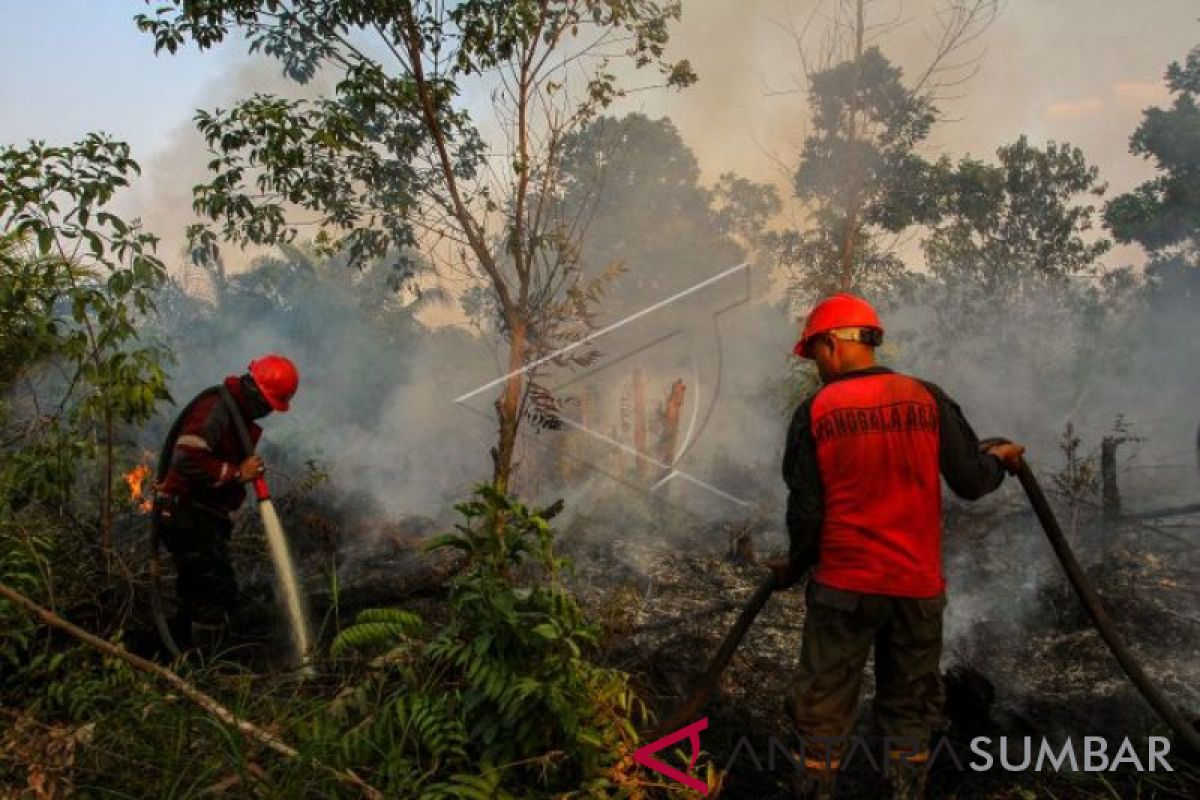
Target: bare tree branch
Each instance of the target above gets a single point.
(204, 701)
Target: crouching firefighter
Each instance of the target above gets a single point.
(861, 463)
(200, 483)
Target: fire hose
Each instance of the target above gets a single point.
(1095, 608)
(293, 604)
(1075, 575)
(708, 681)
(156, 602)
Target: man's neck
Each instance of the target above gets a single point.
(851, 371)
(858, 366)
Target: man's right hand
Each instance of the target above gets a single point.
(251, 468)
(1010, 454)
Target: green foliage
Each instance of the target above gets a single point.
(36, 671)
(1163, 214)
(501, 698)
(374, 628)
(859, 176)
(22, 564)
(77, 282)
(358, 159)
(636, 186)
(1013, 231)
(1014, 253)
(869, 166)
(1165, 211)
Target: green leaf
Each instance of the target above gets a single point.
(546, 630)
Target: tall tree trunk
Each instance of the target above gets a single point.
(671, 414)
(106, 509)
(508, 407)
(639, 422)
(853, 206)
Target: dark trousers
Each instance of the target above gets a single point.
(839, 632)
(206, 588)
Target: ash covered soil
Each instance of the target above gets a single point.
(1021, 657)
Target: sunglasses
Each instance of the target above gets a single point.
(867, 336)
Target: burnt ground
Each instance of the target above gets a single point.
(1021, 658)
(1026, 663)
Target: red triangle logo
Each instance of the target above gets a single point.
(690, 732)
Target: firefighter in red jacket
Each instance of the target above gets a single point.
(206, 468)
(861, 464)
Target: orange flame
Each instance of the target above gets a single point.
(136, 478)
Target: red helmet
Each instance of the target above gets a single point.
(276, 378)
(839, 311)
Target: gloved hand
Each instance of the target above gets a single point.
(1009, 453)
(786, 574)
(251, 468)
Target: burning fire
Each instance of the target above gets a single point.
(136, 478)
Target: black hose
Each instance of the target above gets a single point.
(156, 601)
(1079, 582)
(720, 661)
(1104, 624)
(239, 422)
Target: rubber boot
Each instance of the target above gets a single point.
(818, 779)
(180, 629)
(211, 636)
(815, 784)
(907, 777)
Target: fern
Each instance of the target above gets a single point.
(504, 681)
(465, 786)
(432, 724)
(375, 629)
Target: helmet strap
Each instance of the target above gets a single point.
(871, 337)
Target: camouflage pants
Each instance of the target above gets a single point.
(839, 632)
(206, 588)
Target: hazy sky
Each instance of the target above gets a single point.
(1071, 70)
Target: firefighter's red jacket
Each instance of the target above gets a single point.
(207, 454)
(862, 465)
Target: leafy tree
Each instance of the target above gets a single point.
(1014, 272)
(393, 158)
(636, 185)
(1012, 231)
(77, 281)
(860, 177)
(858, 173)
(1163, 214)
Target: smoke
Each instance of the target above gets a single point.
(164, 196)
(379, 403)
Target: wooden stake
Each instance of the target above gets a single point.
(671, 421)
